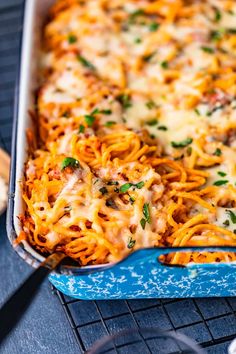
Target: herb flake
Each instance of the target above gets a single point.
(217, 152)
(89, 119)
(208, 50)
(221, 174)
(143, 223)
(103, 190)
(131, 243)
(86, 63)
(153, 27)
(70, 162)
(181, 144)
(152, 122)
(146, 212)
(232, 216)
(72, 39)
(221, 182)
(81, 128)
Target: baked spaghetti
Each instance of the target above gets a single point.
(136, 117)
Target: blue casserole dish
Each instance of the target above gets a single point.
(140, 275)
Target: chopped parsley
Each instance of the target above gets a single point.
(146, 212)
(217, 152)
(112, 183)
(162, 127)
(218, 15)
(106, 111)
(221, 174)
(164, 64)
(65, 114)
(110, 123)
(197, 112)
(151, 104)
(231, 30)
(125, 100)
(89, 119)
(207, 49)
(139, 185)
(152, 122)
(153, 26)
(72, 39)
(181, 144)
(70, 162)
(137, 40)
(81, 128)
(86, 63)
(125, 187)
(221, 182)
(132, 200)
(216, 35)
(226, 223)
(131, 243)
(136, 13)
(232, 216)
(143, 223)
(148, 57)
(103, 190)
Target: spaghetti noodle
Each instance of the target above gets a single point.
(137, 130)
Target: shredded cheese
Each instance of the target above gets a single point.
(137, 124)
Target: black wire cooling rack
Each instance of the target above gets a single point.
(211, 322)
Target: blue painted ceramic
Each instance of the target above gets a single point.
(142, 276)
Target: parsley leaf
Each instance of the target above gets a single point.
(220, 182)
(89, 119)
(151, 104)
(143, 223)
(125, 100)
(106, 111)
(226, 223)
(137, 40)
(146, 212)
(181, 144)
(110, 123)
(131, 243)
(125, 187)
(72, 39)
(148, 57)
(86, 63)
(103, 190)
(164, 64)
(152, 122)
(217, 15)
(162, 127)
(222, 174)
(81, 128)
(70, 162)
(207, 49)
(153, 26)
(232, 216)
(217, 152)
(139, 185)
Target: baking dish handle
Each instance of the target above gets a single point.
(152, 255)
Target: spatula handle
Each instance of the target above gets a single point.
(13, 309)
